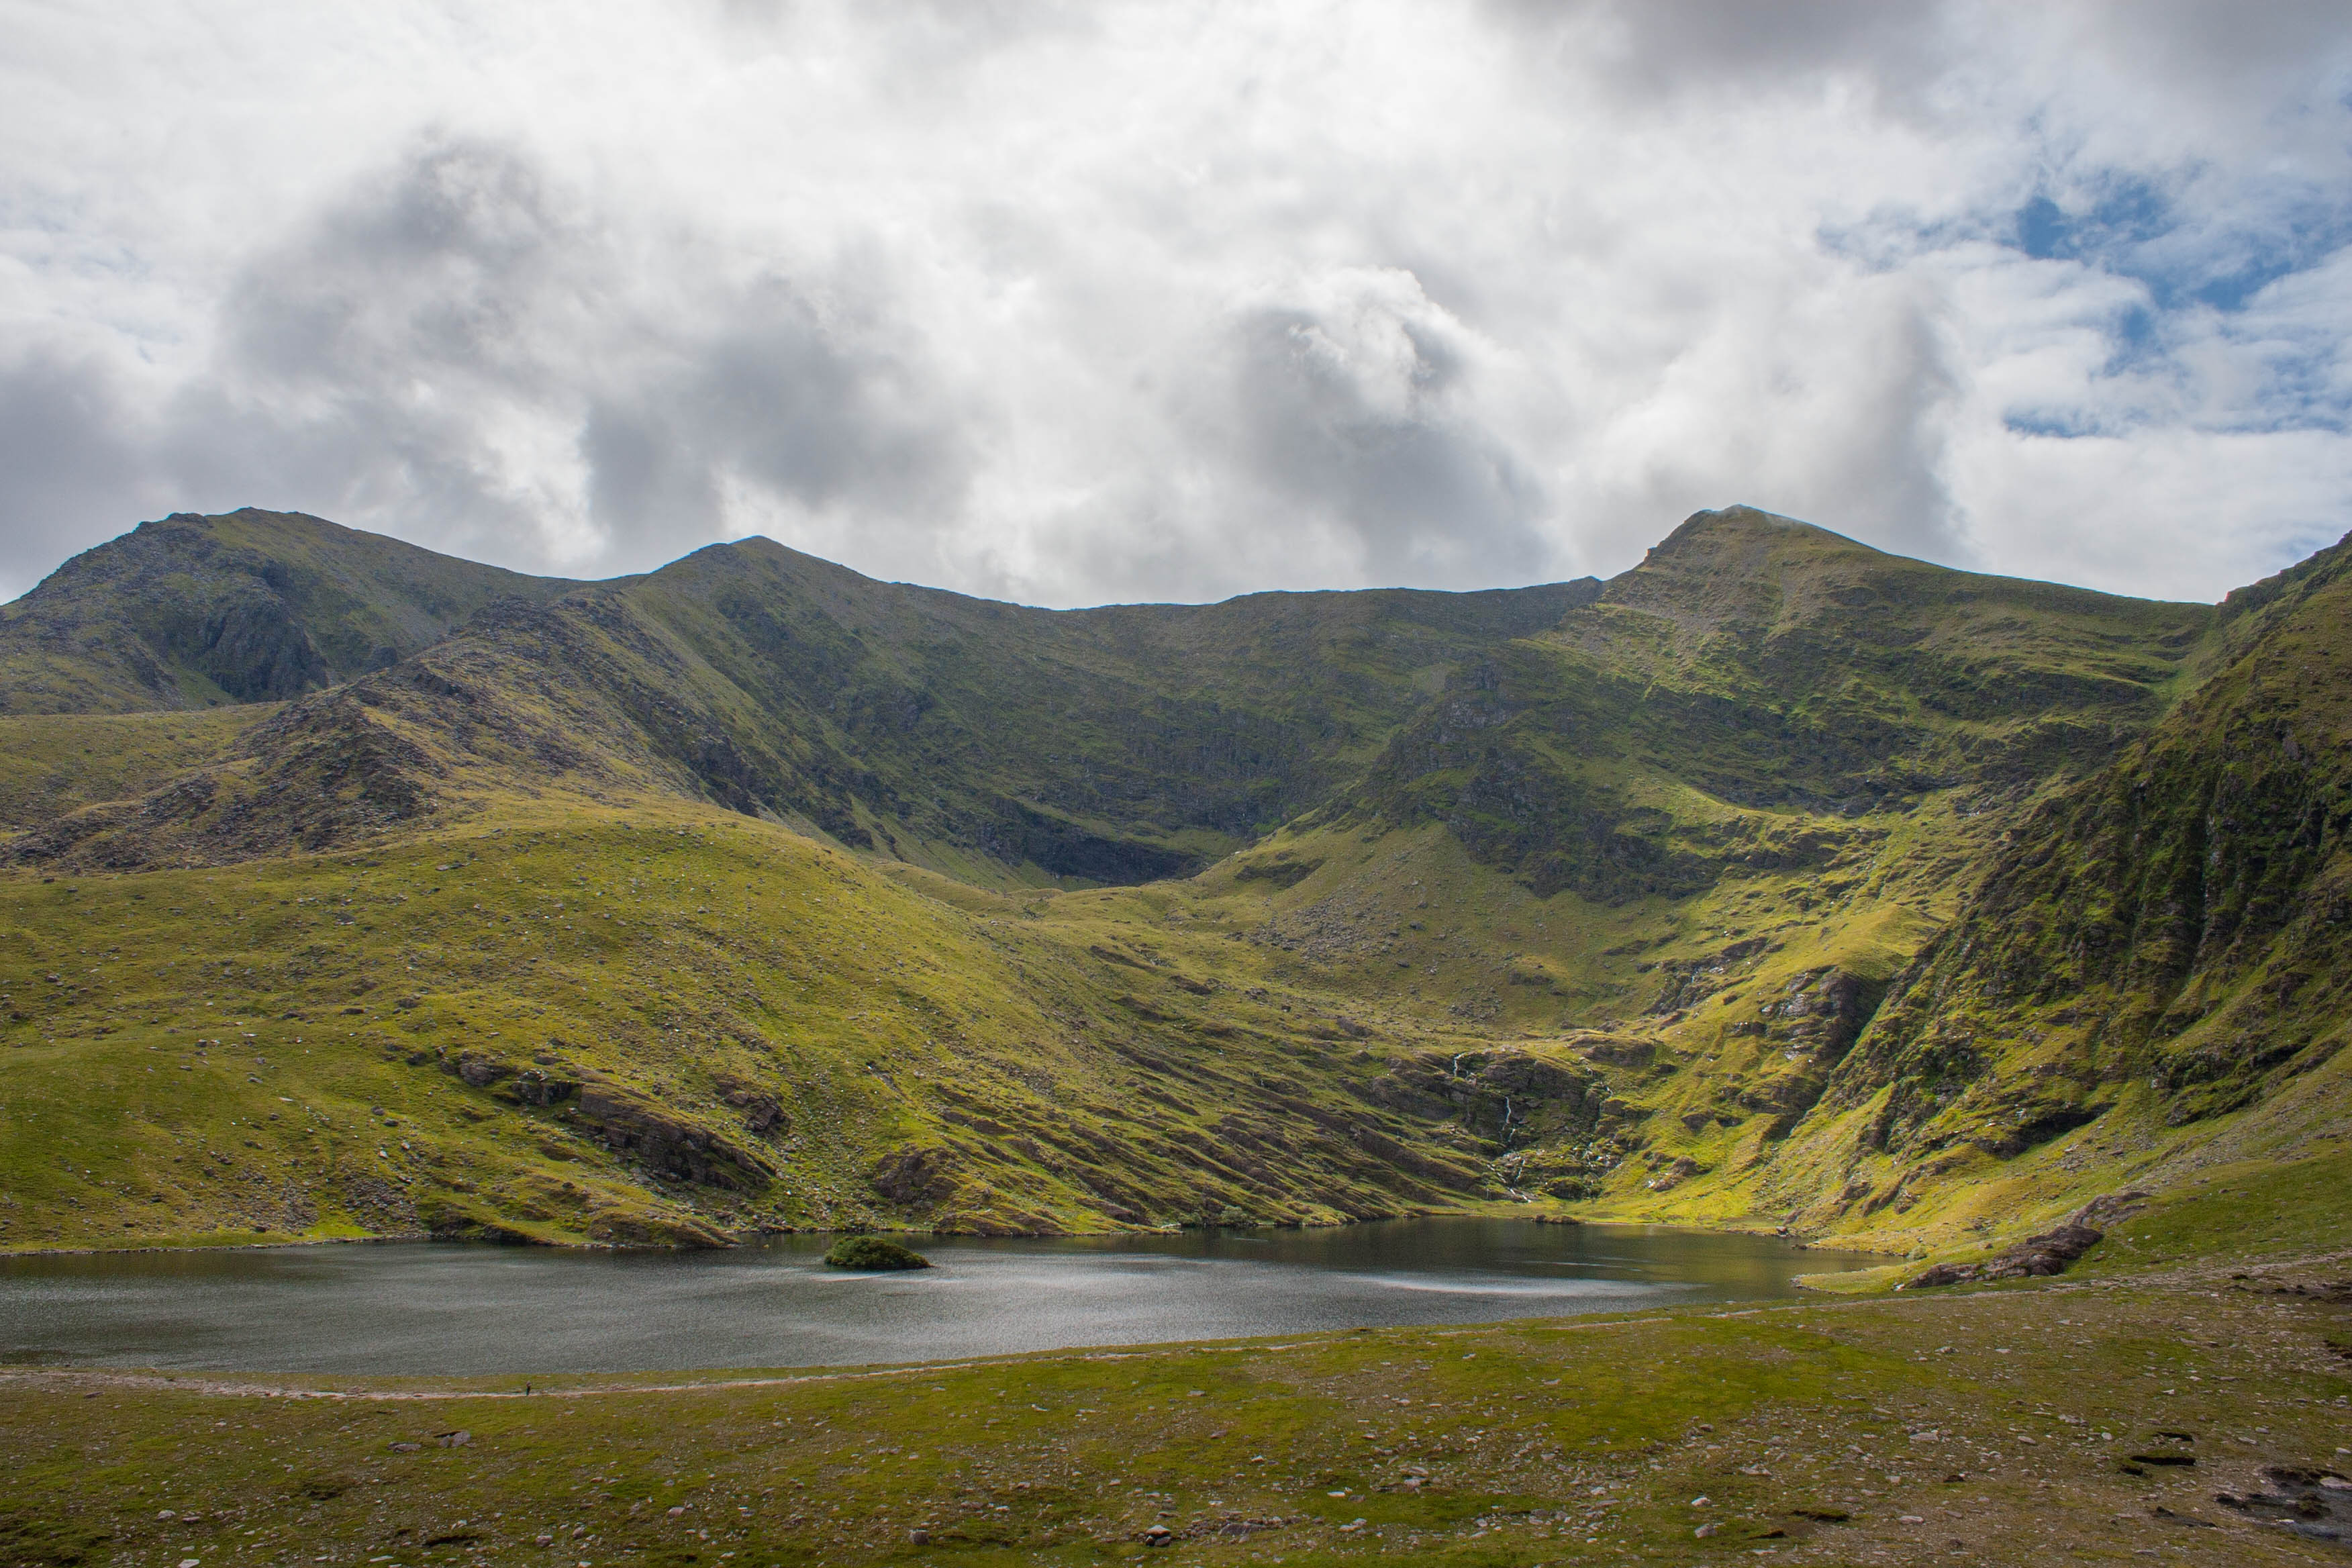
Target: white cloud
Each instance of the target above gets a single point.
(1069, 303)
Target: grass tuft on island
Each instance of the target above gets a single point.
(873, 1254)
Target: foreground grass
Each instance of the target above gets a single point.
(1887, 1430)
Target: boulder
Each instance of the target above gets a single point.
(2036, 1256)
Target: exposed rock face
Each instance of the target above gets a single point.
(667, 1142)
(913, 1177)
(647, 1228)
(2302, 1500)
(320, 773)
(1503, 1097)
(1685, 982)
(2099, 1213)
(762, 1113)
(1617, 1051)
(533, 1087)
(2048, 1253)
(258, 607)
(1820, 1012)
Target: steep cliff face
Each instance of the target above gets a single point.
(2172, 934)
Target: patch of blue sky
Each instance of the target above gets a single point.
(2058, 424)
(2187, 243)
(2240, 312)
(2121, 211)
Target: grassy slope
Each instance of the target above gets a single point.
(1278, 1047)
(269, 1049)
(196, 611)
(58, 763)
(2150, 976)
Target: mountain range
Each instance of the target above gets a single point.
(354, 890)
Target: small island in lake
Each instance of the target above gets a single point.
(873, 1254)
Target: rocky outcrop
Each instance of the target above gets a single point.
(763, 1115)
(1820, 1012)
(643, 1228)
(535, 1087)
(914, 1176)
(667, 1142)
(2049, 1253)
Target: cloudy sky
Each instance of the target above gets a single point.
(1104, 301)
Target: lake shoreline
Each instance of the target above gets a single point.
(425, 1306)
(755, 1238)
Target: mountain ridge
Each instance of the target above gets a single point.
(1668, 898)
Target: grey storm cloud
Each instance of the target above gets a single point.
(459, 306)
(1072, 303)
(65, 458)
(1360, 410)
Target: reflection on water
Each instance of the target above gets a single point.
(451, 1307)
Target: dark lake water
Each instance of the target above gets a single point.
(450, 1308)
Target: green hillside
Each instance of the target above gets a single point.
(194, 612)
(1778, 881)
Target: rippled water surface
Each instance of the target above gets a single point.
(433, 1307)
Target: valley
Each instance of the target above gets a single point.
(1776, 884)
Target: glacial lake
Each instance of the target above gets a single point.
(458, 1308)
